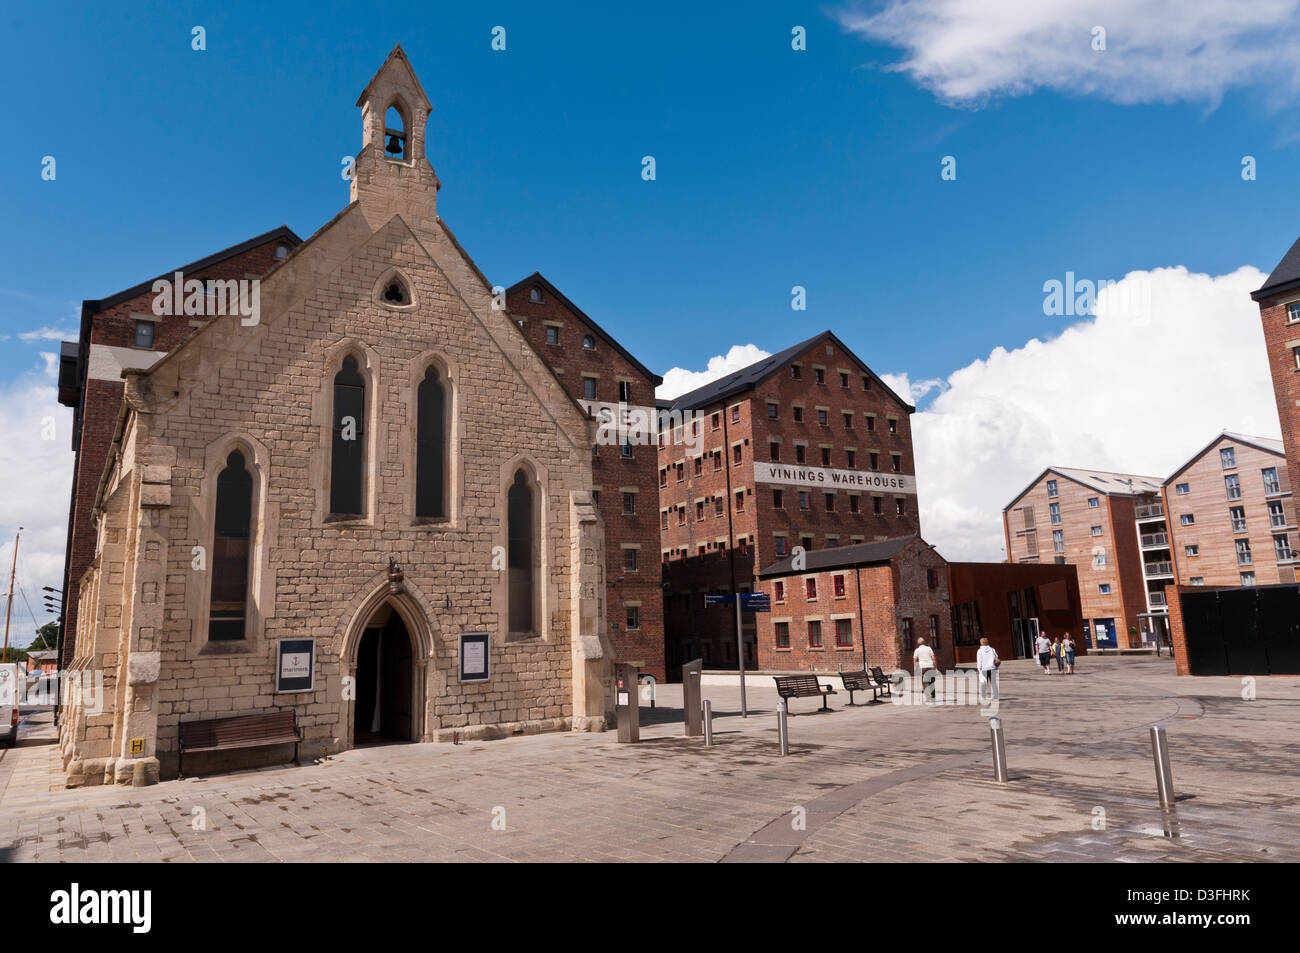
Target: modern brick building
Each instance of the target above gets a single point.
(808, 447)
(1279, 312)
(370, 504)
(1232, 515)
(612, 385)
(856, 606)
(1010, 604)
(118, 332)
(1112, 527)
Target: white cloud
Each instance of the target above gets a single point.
(49, 334)
(1156, 50)
(36, 474)
(680, 381)
(1139, 395)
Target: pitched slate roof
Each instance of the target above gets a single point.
(1286, 274)
(1267, 444)
(747, 378)
(1106, 482)
(859, 554)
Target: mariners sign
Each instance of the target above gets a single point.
(826, 478)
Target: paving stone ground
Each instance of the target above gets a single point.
(884, 782)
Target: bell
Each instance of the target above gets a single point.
(394, 146)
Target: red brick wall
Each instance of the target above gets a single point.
(1176, 636)
(610, 471)
(1278, 332)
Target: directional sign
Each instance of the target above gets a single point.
(755, 602)
(724, 599)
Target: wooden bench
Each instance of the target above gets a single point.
(803, 686)
(860, 682)
(883, 683)
(276, 727)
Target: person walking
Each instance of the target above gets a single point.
(987, 661)
(1068, 645)
(1044, 646)
(1058, 652)
(923, 662)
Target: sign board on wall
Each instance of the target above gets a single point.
(475, 661)
(828, 479)
(295, 668)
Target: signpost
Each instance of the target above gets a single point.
(749, 602)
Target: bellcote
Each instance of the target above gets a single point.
(394, 114)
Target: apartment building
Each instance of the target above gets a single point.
(1232, 514)
(1112, 527)
(807, 448)
(614, 387)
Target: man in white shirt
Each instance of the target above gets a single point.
(923, 662)
(1044, 646)
(987, 661)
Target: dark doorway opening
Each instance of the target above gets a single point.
(382, 710)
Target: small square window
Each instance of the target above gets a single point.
(629, 560)
(1182, 489)
(144, 334)
(535, 295)
(633, 617)
(1293, 311)
(772, 411)
(588, 342)
(629, 504)
(589, 388)
(552, 335)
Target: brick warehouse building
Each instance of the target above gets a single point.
(325, 507)
(808, 447)
(1279, 312)
(1010, 604)
(605, 379)
(1112, 527)
(119, 332)
(856, 606)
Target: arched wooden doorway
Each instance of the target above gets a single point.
(384, 709)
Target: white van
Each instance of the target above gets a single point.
(11, 687)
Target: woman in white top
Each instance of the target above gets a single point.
(987, 661)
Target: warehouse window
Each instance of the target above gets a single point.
(231, 540)
(348, 456)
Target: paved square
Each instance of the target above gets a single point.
(872, 783)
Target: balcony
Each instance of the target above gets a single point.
(1148, 511)
(1156, 598)
(1155, 540)
(1158, 569)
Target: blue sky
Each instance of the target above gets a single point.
(775, 168)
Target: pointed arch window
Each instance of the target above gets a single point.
(231, 544)
(431, 448)
(348, 456)
(395, 132)
(521, 520)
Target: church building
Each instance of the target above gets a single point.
(353, 488)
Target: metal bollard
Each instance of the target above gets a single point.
(708, 722)
(782, 733)
(1164, 776)
(999, 750)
